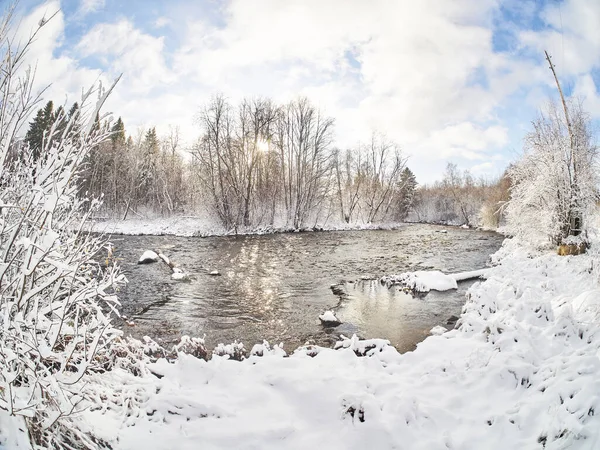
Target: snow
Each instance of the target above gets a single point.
(203, 226)
(521, 370)
(422, 280)
(180, 276)
(329, 316)
(461, 276)
(434, 280)
(148, 256)
(437, 330)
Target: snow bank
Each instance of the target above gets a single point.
(521, 371)
(199, 226)
(422, 281)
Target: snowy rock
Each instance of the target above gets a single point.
(180, 276)
(148, 257)
(362, 347)
(164, 258)
(465, 227)
(422, 281)
(329, 319)
(437, 330)
(215, 273)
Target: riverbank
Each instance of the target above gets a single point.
(520, 371)
(188, 226)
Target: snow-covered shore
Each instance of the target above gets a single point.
(196, 226)
(520, 371)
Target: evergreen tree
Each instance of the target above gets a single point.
(38, 128)
(407, 186)
(118, 133)
(151, 141)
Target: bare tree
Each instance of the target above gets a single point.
(382, 167)
(303, 139)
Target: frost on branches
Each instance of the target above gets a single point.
(55, 299)
(555, 183)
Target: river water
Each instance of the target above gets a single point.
(275, 286)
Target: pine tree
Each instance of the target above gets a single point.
(407, 186)
(118, 133)
(39, 128)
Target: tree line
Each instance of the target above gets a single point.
(255, 164)
(262, 164)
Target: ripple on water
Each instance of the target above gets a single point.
(275, 286)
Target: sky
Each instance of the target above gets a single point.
(449, 80)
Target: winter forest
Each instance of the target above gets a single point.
(332, 299)
(258, 164)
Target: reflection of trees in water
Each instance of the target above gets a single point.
(275, 286)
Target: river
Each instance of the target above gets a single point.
(275, 286)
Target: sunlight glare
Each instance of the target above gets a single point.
(262, 145)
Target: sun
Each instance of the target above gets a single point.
(262, 145)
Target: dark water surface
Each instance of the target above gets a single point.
(275, 286)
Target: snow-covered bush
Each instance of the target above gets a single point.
(555, 183)
(56, 296)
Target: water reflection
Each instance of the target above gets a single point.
(274, 287)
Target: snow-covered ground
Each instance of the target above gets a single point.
(199, 226)
(520, 372)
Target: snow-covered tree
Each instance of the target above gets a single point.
(56, 292)
(554, 185)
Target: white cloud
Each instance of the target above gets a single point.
(61, 75)
(423, 72)
(139, 56)
(89, 6)
(161, 22)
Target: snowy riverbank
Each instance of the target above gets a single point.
(197, 226)
(521, 371)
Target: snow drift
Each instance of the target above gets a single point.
(520, 371)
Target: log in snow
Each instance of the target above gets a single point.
(432, 280)
(462, 276)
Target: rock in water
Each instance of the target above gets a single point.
(329, 319)
(437, 330)
(452, 320)
(148, 257)
(180, 276)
